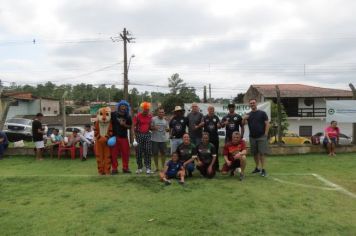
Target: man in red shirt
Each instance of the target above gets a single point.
(142, 133)
(235, 155)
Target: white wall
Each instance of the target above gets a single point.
(50, 107)
(317, 124)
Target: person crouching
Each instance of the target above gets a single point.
(173, 169)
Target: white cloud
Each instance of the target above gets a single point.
(227, 43)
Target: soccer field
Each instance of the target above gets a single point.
(303, 195)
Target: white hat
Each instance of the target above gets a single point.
(178, 108)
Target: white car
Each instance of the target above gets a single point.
(18, 129)
(343, 139)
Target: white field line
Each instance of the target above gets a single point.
(336, 186)
(303, 185)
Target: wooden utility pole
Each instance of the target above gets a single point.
(126, 39)
(64, 115)
(205, 100)
(279, 116)
(353, 124)
(209, 92)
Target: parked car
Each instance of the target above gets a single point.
(69, 130)
(291, 138)
(18, 129)
(319, 137)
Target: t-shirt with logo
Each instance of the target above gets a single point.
(186, 151)
(230, 149)
(173, 168)
(205, 153)
(160, 134)
(211, 126)
(234, 123)
(142, 122)
(119, 130)
(178, 125)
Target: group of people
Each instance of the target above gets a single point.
(86, 139)
(194, 141)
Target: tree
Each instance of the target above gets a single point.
(274, 122)
(239, 98)
(175, 83)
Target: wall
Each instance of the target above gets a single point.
(49, 107)
(24, 108)
(318, 125)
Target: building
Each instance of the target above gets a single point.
(22, 103)
(305, 105)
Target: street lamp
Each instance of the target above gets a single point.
(128, 67)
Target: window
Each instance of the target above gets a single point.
(44, 109)
(49, 109)
(308, 101)
(305, 131)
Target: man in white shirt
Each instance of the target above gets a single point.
(87, 139)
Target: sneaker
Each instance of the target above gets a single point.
(84, 159)
(167, 182)
(126, 171)
(138, 171)
(242, 176)
(181, 182)
(256, 171)
(148, 171)
(114, 172)
(263, 173)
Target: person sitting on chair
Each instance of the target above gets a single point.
(87, 140)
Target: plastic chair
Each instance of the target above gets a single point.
(62, 148)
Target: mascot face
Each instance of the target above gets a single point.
(104, 115)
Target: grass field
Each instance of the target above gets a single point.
(64, 197)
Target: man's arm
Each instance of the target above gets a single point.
(267, 127)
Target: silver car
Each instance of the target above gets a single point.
(18, 128)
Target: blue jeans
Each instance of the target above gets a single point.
(175, 142)
(190, 167)
(3, 147)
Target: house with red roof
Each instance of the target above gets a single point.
(305, 105)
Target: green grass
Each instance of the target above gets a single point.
(64, 197)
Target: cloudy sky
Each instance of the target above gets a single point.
(227, 43)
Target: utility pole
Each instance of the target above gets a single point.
(209, 92)
(279, 116)
(125, 37)
(205, 99)
(353, 124)
(64, 115)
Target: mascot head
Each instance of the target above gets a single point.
(104, 115)
(123, 107)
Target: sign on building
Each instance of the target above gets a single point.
(221, 109)
(343, 111)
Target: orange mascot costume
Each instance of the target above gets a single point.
(103, 131)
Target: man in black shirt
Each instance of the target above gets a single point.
(37, 135)
(206, 157)
(211, 126)
(258, 125)
(233, 122)
(177, 127)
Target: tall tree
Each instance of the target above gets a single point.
(175, 83)
(239, 98)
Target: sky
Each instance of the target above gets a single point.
(229, 44)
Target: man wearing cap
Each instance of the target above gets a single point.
(177, 127)
(195, 127)
(142, 133)
(121, 123)
(232, 122)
